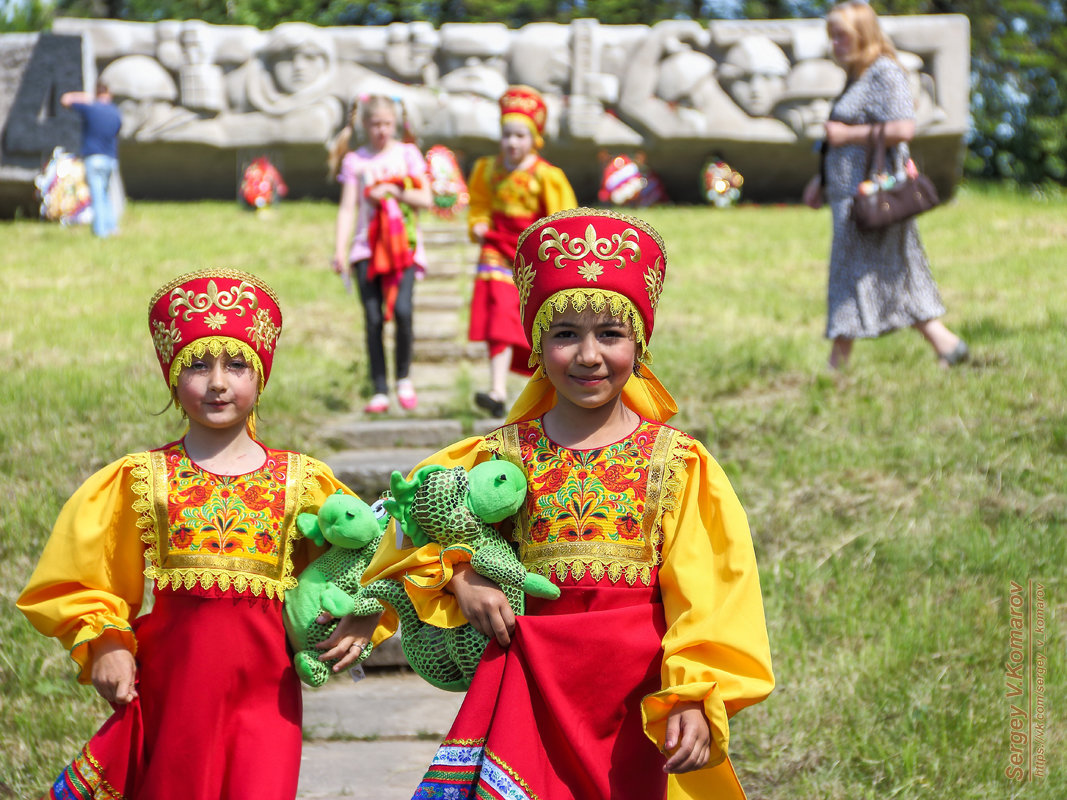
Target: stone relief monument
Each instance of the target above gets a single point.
(198, 99)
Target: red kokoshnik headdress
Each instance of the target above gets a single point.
(210, 311)
(524, 103)
(588, 257)
(598, 259)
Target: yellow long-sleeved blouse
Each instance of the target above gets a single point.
(526, 195)
(143, 516)
(715, 650)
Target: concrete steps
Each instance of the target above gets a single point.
(366, 450)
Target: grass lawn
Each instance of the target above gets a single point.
(892, 505)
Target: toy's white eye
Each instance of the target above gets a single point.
(379, 509)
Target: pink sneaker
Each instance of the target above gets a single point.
(405, 395)
(378, 404)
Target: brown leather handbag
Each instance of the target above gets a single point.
(876, 206)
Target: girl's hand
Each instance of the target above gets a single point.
(482, 603)
(688, 740)
(479, 229)
(380, 191)
(114, 670)
(813, 195)
(347, 640)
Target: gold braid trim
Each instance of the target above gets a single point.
(300, 482)
(504, 443)
(146, 521)
(598, 300)
(463, 742)
(215, 345)
(507, 768)
(582, 211)
(234, 274)
(578, 566)
(103, 790)
(676, 454)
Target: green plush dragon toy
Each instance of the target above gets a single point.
(331, 582)
(456, 509)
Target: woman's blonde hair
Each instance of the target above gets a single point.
(869, 41)
(362, 109)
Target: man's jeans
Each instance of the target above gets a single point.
(98, 171)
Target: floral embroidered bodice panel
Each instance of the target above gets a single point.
(228, 531)
(518, 192)
(597, 511)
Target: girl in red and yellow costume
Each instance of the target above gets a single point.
(623, 686)
(207, 703)
(509, 192)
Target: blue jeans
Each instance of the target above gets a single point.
(98, 171)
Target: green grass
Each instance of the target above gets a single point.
(891, 505)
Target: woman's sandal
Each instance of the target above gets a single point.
(958, 355)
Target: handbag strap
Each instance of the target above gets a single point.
(875, 149)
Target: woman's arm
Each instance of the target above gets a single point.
(839, 134)
(813, 192)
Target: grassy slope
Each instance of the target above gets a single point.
(890, 505)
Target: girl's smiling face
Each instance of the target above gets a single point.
(218, 393)
(588, 357)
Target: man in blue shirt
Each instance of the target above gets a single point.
(101, 123)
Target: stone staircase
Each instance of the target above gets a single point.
(446, 369)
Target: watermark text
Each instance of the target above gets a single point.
(1024, 682)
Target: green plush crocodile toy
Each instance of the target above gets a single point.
(331, 582)
(456, 509)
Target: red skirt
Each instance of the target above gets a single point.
(557, 716)
(495, 315)
(218, 713)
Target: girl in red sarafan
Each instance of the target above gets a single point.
(206, 701)
(623, 686)
(508, 192)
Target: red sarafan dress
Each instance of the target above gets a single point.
(508, 201)
(219, 707)
(659, 603)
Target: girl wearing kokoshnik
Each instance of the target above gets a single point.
(508, 192)
(622, 687)
(206, 701)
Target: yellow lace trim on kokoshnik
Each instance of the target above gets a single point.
(214, 345)
(150, 484)
(598, 301)
(666, 480)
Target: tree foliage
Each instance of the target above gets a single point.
(1018, 49)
